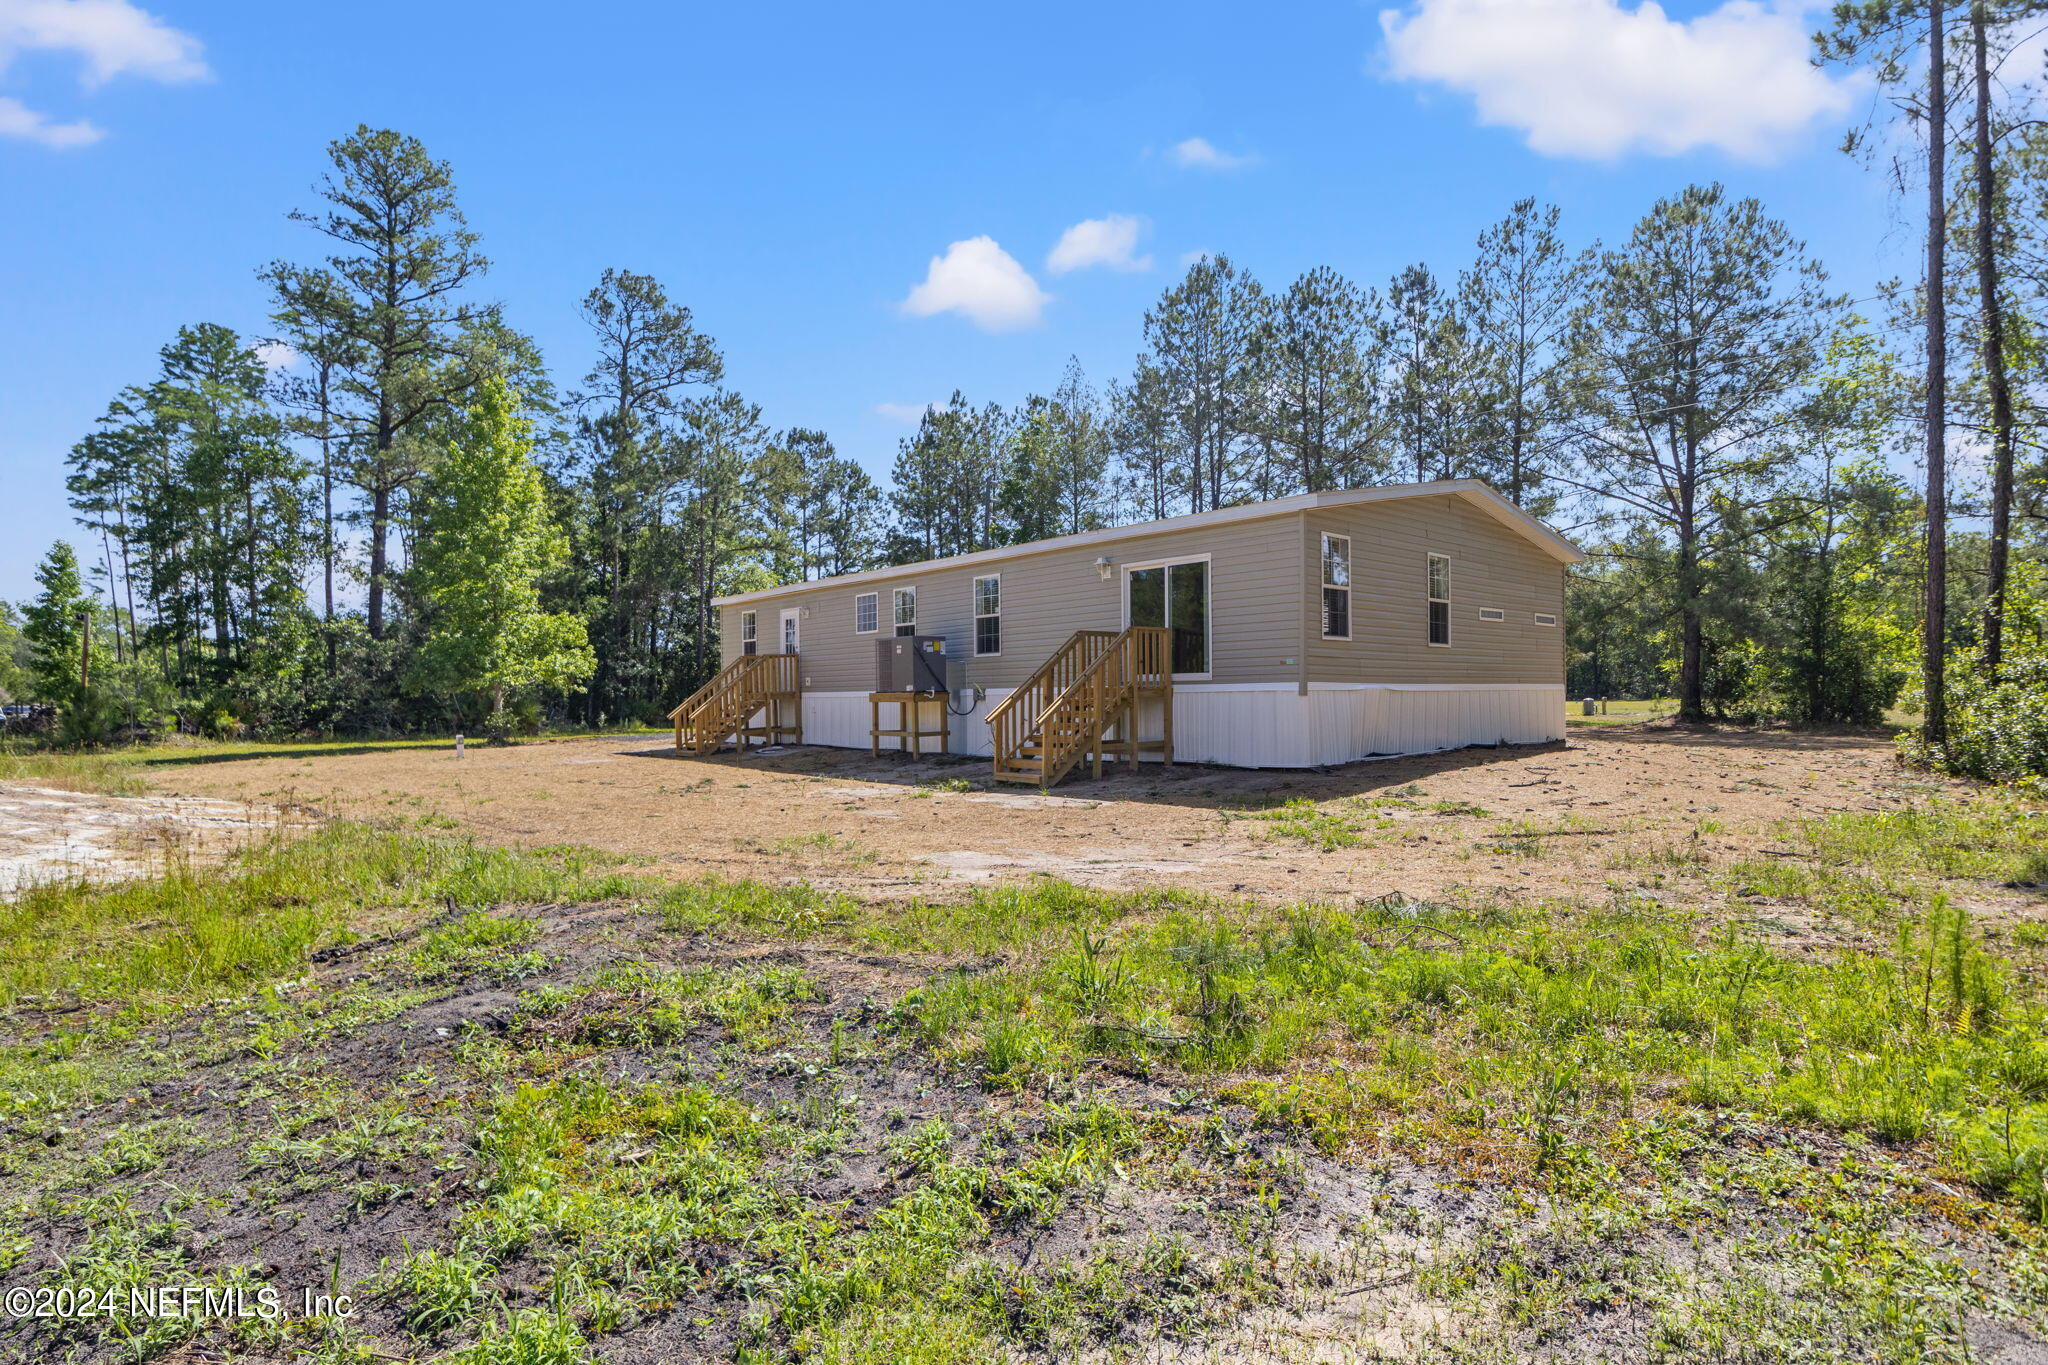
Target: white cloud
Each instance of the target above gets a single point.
(1110, 241)
(110, 37)
(983, 283)
(113, 37)
(1592, 78)
(275, 355)
(1200, 154)
(909, 414)
(17, 120)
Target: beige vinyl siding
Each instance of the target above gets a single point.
(1254, 585)
(1265, 585)
(1491, 566)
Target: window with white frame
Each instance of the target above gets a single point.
(1336, 587)
(1439, 599)
(1492, 614)
(1544, 618)
(905, 613)
(866, 611)
(750, 633)
(988, 614)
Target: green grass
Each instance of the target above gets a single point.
(479, 943)
(823, 845)
(640, 1005)
(104, 773)
(1467, 1032)
(121, 770)
(617, 1188)
(154, 945)
(1621, 712)
(1995, 835)
(1302, 819)
(1617, 1076)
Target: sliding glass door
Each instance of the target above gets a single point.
(1174, 595)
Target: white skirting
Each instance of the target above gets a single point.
(1269, 726)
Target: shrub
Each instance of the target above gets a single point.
(87, 719)
(1999, 731)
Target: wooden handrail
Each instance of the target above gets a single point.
(1069, 704)
(721, 675)
(1100, 696)
(1132, 642)
(1038, 676)
(1013, 720)
(741, 688)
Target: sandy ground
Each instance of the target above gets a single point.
(52, 836)
(1611, 798)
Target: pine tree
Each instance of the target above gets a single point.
(1883, 35)
(1518, 302)
(840, 508)
(1704, 327)
(309, 320)
(1200, 388)
(1081, 452)
(1323, 347)
(394, 296)
(1032, 505)
(1436, 401)
(55, 627)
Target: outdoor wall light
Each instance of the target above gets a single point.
(1103, 565)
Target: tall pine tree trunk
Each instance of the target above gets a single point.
(327, 510)
(1691, 641)
(1995, 376)
(380, 530)
(1934, 635)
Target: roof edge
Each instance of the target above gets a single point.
(1475, 491)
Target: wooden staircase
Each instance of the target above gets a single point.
(1065, 712)
(724, 708)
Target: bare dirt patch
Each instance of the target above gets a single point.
(1611, 797)
(47, 835)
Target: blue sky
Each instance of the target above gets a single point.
(791, 172)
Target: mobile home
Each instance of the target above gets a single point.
(1309, 630)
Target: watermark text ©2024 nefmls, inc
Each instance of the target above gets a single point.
(164, 1301)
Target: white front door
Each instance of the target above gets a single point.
(789, 630)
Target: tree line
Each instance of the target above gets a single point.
(1696, 403)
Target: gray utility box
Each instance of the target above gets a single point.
(911, 663)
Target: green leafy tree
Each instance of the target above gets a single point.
(55, 627)
(1831, 648)
(14, 654)
(488, 541)
(1030, 503)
